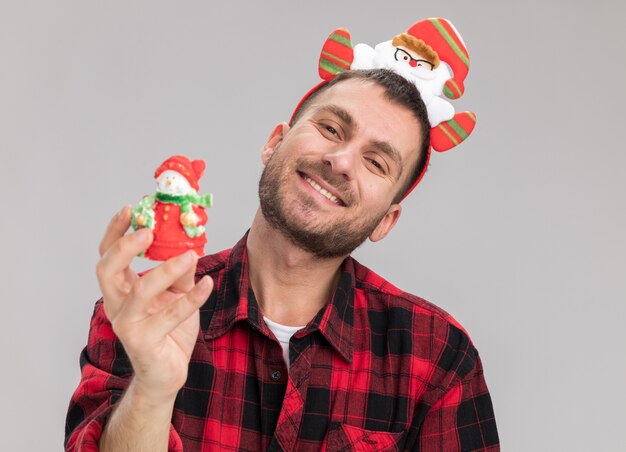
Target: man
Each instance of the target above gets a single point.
(368, 368)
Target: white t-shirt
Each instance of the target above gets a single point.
(283, 334)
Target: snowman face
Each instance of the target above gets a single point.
(172, 183)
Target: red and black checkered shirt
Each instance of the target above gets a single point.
(376, 369)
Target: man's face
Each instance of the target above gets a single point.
(329, 181)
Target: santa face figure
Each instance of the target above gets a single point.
(431, 55)
(173, 183)
(429, 76)
(416, 62)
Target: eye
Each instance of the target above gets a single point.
(329, 131)
(376, 165)
(402, 55)
(425, 64)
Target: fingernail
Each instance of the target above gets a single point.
(120, 214)
(202, 284)
(140, 235)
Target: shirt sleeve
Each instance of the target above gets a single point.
(463, 419)
(105, 374)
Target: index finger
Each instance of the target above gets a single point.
(115, 230)
(120, 254)
(175, 274)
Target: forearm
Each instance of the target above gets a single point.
(138, 423)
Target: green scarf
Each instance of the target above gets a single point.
(187, 201)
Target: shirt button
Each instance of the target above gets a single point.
(276, 375)
(165, 217)
(167, 208)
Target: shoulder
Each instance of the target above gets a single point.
(413, 323)
(377, 289)
(212, 263)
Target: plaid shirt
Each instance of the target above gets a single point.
(376, 369)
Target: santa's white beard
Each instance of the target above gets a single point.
(431, 90)
(429, 83)
(431, 86)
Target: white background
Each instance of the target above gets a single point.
(519, 232)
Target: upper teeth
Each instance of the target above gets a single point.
(323, 191)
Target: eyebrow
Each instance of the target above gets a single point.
(382, 146)
(341, 113)
(390, 151)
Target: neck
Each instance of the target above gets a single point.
(290, 284)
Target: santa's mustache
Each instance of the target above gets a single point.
(423, 73)
(323, 171)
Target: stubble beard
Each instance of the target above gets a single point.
(324, 241)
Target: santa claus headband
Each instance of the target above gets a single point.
(431, 54)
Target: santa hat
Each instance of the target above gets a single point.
(192, 170)
(444, 39)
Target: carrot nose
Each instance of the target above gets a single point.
(168, 182)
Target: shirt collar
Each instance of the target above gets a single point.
(233, 300)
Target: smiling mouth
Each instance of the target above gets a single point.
(322, 191)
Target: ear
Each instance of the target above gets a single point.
(274, 139)
(387, 223)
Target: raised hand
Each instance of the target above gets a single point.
(156, 316)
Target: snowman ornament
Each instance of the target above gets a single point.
(175, 213)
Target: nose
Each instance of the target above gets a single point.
(168, 182)
(342, 162)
